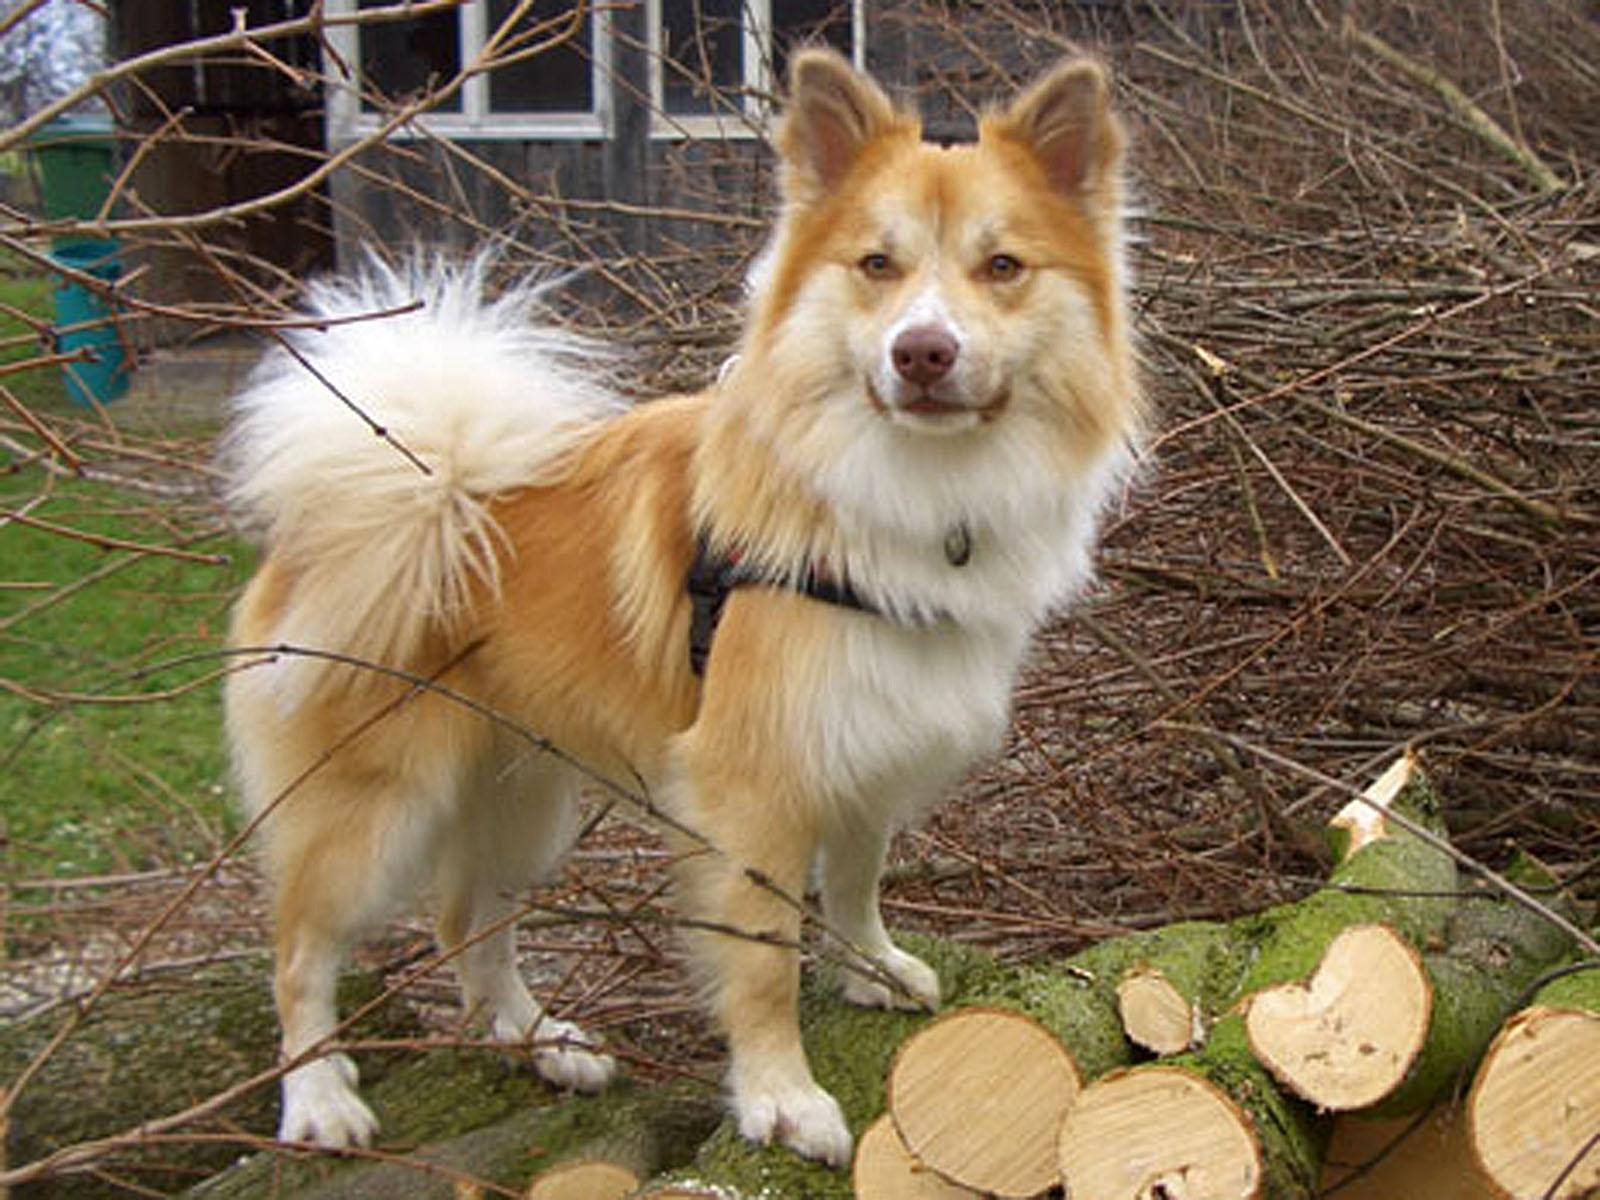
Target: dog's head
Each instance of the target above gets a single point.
(942, 293)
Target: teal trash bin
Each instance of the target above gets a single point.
(84, 322)
(76, 160)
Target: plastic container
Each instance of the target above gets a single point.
(76, 157)
(84, 320)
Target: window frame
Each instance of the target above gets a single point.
(348, 122)
(758, 83)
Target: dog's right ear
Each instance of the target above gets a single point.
(834, 113)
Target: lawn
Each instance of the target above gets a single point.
(135, 777)
(109, 761)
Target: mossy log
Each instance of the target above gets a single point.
(1206, 1123)
(1384, 1028)
(1388, 876)
(1168, 983)
(148, 1050)
(1495, 950)
(851, 1051)
(885, 1170)
(1534, 1111)
(1214, 1113)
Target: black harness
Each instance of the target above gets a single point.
(713, 577)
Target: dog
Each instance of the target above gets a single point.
(791, 608)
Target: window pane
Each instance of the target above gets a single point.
(702, 49)
(555, 80)
(809, 23)
(401, 59)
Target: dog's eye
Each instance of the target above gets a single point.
(1002, 268)
(877, 266)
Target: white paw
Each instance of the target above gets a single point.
(320, 1105)
(567, 1056)
(802, 1117)
(919, 984)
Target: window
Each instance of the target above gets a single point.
(538, 91)
(713, 65)
(716, 64)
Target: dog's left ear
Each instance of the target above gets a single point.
(834, 113)
(1065, 120)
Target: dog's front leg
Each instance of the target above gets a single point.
(852, 862)
(741, 899)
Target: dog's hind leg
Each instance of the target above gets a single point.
(344, 849)
(513, 827)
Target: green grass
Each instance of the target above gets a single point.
(88, 787)
(21, 287)
(97, 785)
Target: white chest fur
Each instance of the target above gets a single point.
(905, 710)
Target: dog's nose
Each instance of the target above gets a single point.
(923, 354)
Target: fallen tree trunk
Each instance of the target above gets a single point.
(1383, 1027)
(852, 1051)
(1215, 1114)
(953, 1095)
(1534, 1112)
(1206, 1123)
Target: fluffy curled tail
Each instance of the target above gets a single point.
(381, 546)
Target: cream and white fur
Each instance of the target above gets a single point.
(936, 343)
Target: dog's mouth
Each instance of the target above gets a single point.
(928, 407)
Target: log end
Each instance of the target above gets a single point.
(1155, 1014)
(1534, 1112)
(885, 1170)
(978, 1096)
(584, 1181)
(1346, 1037)
(1159, 1133)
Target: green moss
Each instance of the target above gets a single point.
(1400, 881)
(852, 1049)
(1578, 989)
(512, 1127)
(149, 1051)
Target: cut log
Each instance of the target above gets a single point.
(1534, 1112)
(1206, 1125)
(1349, 1035)
(1171, 983)
(1388, 876)
(885, 1170)
(1168, 983)
(585, 1181)
(1156, 1014)
(1496, 950)
(1258, 1139)
(1159, 1134)
(1377, 1022)
(978, 1097)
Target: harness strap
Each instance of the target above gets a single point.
(713, 577)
